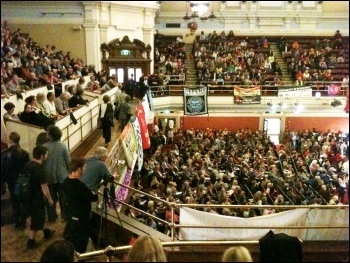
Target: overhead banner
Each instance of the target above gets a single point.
(196, 101)
(294, 92)
(247, 95)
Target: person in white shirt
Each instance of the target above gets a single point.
(50, 105)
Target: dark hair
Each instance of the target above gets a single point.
(30, 99)
(9, 106)
(106, 98)
(49, 122)
(49, 94)
(54, 133)
(39, 150)
(15, 137)
(58, 251)
(76, 163)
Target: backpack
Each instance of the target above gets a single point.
(22, 187)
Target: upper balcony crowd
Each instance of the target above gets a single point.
(243, 60)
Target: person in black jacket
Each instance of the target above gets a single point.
(77, 99)
(107, 115)
(79, 198)
(13, 161)
(31, 117)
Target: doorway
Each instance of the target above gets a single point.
(272, 126)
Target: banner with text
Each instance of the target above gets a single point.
(137, 131)
(334, 89)
(128, 140)
(196, 101)
(121, 193)
(294, 92)
(247, 95)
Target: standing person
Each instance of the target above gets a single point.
(42, 137)
(13, 161)
(130, 86)
(107, 119)
(39, 191)
(79, 198)
(119, 99)
(57, 165)
(96, 169)
(125, 112)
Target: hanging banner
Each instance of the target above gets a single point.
(196, 101)
(137, 132)
(334, 89)
(140, 114)
(247, 95)
(146, 108)
(150, 99)
(121, 193)
(128, 140)
(296, 217)
(296, 91)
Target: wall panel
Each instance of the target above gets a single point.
(333, 124)
(231, 123)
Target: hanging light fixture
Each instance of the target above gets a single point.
(199, 10)
(212, 16)
(186, 17)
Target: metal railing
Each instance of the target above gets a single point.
(112, 251)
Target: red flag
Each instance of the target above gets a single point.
(140, 114)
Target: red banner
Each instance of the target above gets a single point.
(140, 114)
(334, 89)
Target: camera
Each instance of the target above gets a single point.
(107, 178)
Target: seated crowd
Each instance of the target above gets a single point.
(26, 66)
(169, 58)
(313, 59)
(211, 166)
(226, 58)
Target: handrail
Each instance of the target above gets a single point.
(110, 251)
(174, 206)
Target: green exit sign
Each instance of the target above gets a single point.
(125, 52)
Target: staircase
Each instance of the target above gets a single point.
(279, 58)
(189, 63)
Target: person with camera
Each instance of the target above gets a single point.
(96, 170)
(78, 197)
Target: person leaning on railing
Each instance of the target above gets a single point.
(10, 115)
(77, 99)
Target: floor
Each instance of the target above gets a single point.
(13, 241)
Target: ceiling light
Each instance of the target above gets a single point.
(186, 17)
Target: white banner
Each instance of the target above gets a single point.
(295, 92)
(295, 217)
